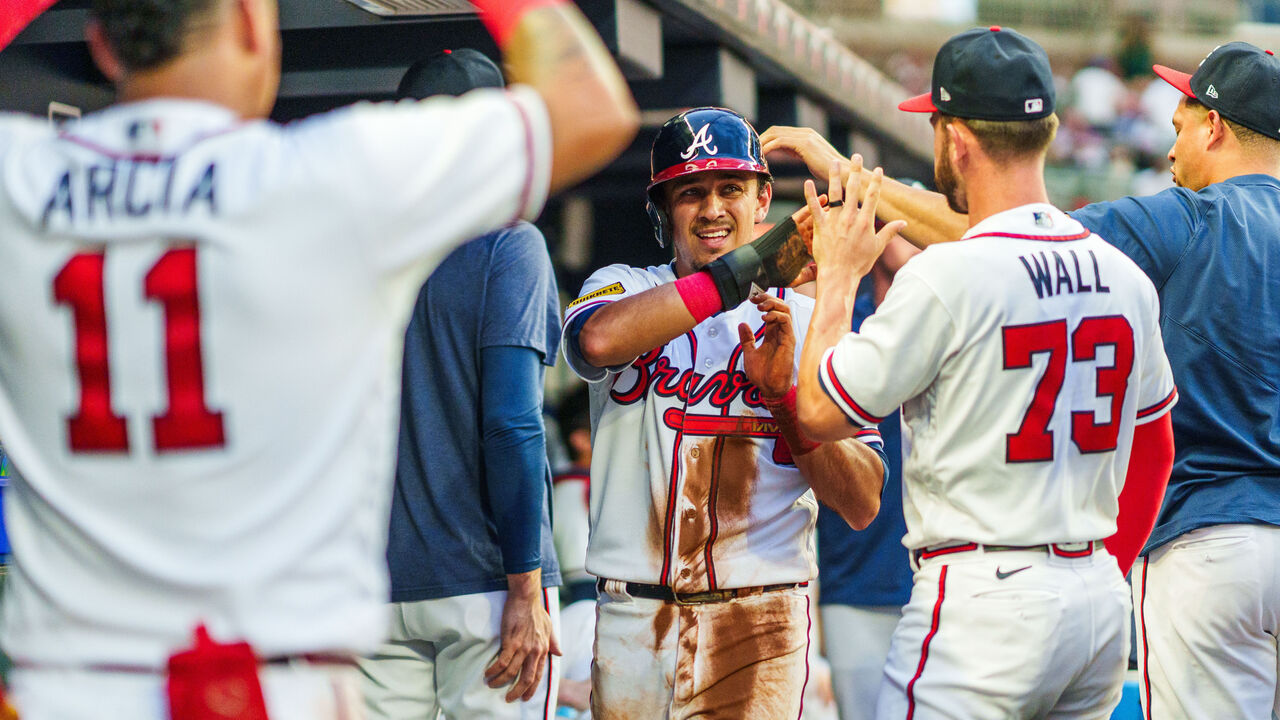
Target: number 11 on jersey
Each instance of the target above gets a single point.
(187, 423)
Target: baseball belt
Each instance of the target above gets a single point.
(337, 658)
(666, 594)
(1067, 550)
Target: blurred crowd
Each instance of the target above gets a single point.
(1115, 134)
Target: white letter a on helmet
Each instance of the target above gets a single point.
(701, 139)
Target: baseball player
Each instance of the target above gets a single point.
(701, 512)
(1206, 599)
(1023, 358)
(473, 489)
(204, 317)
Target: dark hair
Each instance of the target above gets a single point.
(1247, 137)
(1007, 139)
(145, 34)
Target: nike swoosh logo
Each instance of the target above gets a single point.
(1000, 575)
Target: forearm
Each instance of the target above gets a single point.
(846, 476)
(514, 450)
(929, 219)
(622, 331)
(593, 116)
(819, 417)
(1150, 463)
(525, 587)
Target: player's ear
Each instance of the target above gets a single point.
(104, 56)
(961, 141)
(765, 195)
(256, 20)
(1215, 128)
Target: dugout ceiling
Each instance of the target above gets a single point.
(759, 57)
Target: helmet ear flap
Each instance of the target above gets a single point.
(661, 222)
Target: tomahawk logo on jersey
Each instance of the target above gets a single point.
(733, 510)
(1023, 358)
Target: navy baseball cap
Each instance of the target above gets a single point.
(989, 74)
(450, 72)
(1240, 81)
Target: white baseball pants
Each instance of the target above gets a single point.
(1009, 634)
(434, 661)
(745, 659)
(1208, 613)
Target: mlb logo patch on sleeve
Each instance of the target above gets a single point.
(614, 289)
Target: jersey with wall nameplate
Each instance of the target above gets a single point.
(1023, 357)
(202, 326)
(691, 484)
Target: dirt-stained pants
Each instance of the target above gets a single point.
(742, 659)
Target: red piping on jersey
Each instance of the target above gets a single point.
(530, 157)
(924, 650)
(1018, 236)
(1142, 621)
(675, 478)
(714, 491)
(844, 395)
(1154, 409)
(808, 633)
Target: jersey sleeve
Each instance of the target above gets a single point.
(422, 177)
(1153, 231)
(1157, 393)
(521, 303)
(606, 285)
(893, 357)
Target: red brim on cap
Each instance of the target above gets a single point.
(919, 103)
(1180, 80)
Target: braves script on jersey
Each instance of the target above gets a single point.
(1022, 357)
(689, 465)
(198, 387)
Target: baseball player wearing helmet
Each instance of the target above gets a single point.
(1205, 593)
(1023, 358)
(701, 511)
(203, 320)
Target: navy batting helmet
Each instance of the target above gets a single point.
(700, 140)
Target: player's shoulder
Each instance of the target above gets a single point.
(632, 278)
(20, 126)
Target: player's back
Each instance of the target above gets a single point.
(202, 327)
(1047, 345)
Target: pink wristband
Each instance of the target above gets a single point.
(700, 296)
(785, 406)
(500, 17)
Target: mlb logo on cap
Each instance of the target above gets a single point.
(989, 74)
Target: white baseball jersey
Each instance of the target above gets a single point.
(1022, 356)
(199, 378)
(691, 485)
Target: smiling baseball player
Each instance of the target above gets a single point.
(701, 512)
(203, 321)
(1023, 357)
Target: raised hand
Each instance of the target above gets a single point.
(845, 243)
(806, 144)
(771, 365)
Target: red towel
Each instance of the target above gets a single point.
(16, 15)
